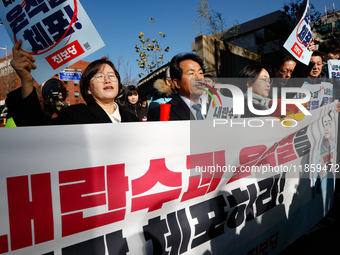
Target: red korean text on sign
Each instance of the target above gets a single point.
(26, 203)
(206, 181)
(82, 189)
(157, 172)
(297, 50)
(65, 54)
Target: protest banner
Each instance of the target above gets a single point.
(56, 33)
(298, 41)
(244, 187)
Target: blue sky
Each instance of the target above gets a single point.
(119, 23)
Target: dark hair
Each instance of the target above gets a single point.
(329, 115)
(129, 91)
(317, 53)
(175, 71)
(282, 58)
(250, 73)
(167, 73)
(89, 72)
(330, 46)
(209, 76)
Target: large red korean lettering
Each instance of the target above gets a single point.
(211, 169)
(269, 156)
(157, 172)
(198, 185)
(3, 244)
(117, 186)
(30, 202)
(82, 188)
(85, 188)
(248, 157)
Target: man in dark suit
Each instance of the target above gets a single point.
(186, 71)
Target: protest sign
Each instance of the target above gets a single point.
(298, 41)
(334, 73)
(321, 94)
(56, 33)
(221, 111)
(334, 68)
(223, 189)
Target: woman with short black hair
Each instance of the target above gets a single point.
(257, 77)
(132, 103)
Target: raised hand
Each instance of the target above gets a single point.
(311, 46)
(23, 63)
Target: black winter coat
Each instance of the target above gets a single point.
(28, 112)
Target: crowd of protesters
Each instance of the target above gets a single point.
(182, 87)
(101, 87)
(259, 77)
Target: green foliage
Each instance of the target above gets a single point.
(290, 10)
(208, 21)
(150, 53)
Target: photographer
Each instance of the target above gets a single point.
(54, 99)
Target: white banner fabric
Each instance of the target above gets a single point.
(189, 187)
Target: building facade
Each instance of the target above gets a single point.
(10, 81)
(329, 26)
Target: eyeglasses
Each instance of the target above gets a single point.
(100, 77)
(286, 71)
(270, 81)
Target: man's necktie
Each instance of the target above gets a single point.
(197, 108)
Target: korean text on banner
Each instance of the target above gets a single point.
(320, 94)
(297, 42)
(334, 73)
(83, 189)
(56, 33)
(221, 111)
(334, 69)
